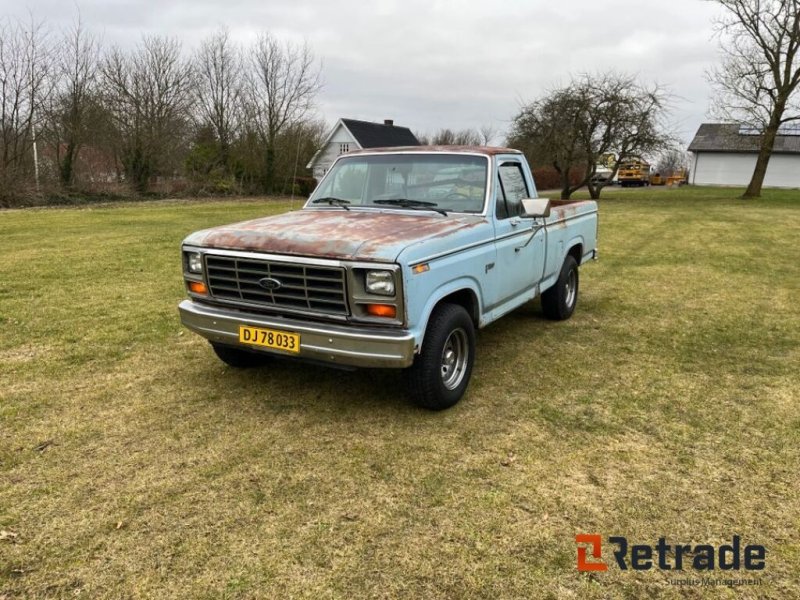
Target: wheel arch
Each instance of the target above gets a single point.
(464, 293)
(575, 250)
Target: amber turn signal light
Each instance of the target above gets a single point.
(382, 310)
(198, 287)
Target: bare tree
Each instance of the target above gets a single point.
(423, 138)
(69, 112)
(760, 72)
(572, 127)
(281, 83)
(449, 137)
(672, 162)
(487, 133)
(25, 85)
(218, 65)
(148, 95)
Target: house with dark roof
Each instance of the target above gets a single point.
(725, 154)
(350, 134)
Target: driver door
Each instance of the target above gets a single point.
(519, 240)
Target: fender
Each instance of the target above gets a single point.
(575, 241)
(549, 281)
(457, 285)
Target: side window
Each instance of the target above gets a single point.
(512, 182)
(501, 211)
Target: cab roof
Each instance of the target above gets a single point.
(487, 150)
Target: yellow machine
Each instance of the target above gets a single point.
(679, 177)
(634, 172)
(658, 179)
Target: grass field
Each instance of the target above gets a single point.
(134, 464)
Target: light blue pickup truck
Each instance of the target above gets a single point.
(394, 261)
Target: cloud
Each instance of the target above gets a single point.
(440, 63)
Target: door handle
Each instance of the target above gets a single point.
(534, 231)
(515, 221)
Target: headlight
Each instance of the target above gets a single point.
(194, 262)
(380, 282)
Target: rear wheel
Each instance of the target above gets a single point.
(440, 374)
(558, 302)
(238, 358)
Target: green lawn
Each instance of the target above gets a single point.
(134, 464)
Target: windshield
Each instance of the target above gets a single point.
(449, 182)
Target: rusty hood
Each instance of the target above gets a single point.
(368, 235)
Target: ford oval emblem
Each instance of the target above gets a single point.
(268, 283)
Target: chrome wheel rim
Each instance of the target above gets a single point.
(571, 288)
(454, 358)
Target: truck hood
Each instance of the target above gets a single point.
(367, 235)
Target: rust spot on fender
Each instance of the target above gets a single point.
(563, 209)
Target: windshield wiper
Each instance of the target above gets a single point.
(333, 201)
(415, 204)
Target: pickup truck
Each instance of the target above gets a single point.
(395, 260)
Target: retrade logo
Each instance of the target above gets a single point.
(595, 543)
(666, 557)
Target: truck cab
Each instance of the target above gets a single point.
(395, 260)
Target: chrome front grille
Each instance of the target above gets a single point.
(302, 287)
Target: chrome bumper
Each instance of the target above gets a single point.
(340, 345)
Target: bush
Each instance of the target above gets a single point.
(547, 178)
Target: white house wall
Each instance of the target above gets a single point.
(325, 158)
(341, 135)
(726, 168)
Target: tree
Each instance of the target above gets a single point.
(448, 137)
(758, 79)
(218, 67)
(487, 134)
(147, 94)
(25, 86)
(572, 127)
(279, 89)
(671, 162)
(69, 113)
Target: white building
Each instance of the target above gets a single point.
(725, 154)
(349, 134)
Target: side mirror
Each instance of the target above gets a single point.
(536, 207)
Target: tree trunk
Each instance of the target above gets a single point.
(764, 154)
(67, 167)
(269, 173)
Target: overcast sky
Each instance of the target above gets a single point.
(439, 63)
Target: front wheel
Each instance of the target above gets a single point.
(440, 374)
(558, 302)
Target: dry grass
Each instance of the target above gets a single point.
(134, 464)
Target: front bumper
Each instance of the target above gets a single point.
(352, 346)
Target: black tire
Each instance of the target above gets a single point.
(440, 374)
(558, 302)
(238, 358)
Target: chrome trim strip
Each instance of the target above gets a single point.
(287, 258)
(571, 217)
(547, 225)
(450, 252)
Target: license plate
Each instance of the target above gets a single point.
(269, 338)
